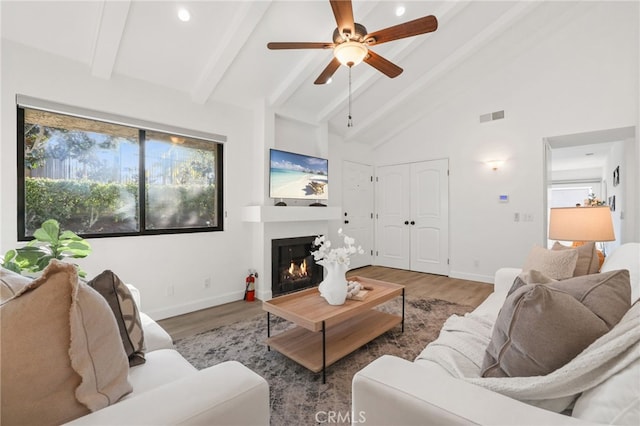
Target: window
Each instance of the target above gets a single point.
(90, 175)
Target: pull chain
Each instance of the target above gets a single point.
(349, 121)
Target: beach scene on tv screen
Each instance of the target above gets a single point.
(298, 176)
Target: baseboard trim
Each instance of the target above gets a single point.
(265, 295)
(185, 308)
(471, 277)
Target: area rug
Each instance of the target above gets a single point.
(298, 396)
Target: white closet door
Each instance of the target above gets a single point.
(429, 218)
(357, 209)
(393, 209)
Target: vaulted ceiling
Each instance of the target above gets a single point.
(220, 55)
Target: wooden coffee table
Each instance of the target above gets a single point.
(325, 333)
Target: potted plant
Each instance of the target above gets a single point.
(49, 242)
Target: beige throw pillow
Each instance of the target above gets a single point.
(588, 262)
(541, 327)
(125, 311)
(61, 352)
(556, 264)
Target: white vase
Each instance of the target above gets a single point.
(334, 285)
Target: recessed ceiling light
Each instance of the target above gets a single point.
(400, 10)
(184, 15)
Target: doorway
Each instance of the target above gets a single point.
(587, 165)
(357, 206)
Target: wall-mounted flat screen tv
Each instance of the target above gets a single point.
(298, 176)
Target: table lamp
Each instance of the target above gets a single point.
(581, 224)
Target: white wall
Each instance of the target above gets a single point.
(623, 156)
(153, 263)
(582, 76)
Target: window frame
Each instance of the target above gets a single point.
(142, 127)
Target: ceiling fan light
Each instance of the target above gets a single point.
(184, 15)
(350, 53)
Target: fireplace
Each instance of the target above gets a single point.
(292, 265)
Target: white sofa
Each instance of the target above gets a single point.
(167, 390)
(394, 391)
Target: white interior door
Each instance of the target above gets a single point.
(429, 219)
(357, 205)
(393, 210)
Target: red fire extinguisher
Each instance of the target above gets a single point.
(250, 289)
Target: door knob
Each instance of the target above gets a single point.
(413, 222)
(406, 222)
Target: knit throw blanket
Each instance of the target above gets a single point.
(462, 342)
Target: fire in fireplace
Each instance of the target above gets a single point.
(293, 267)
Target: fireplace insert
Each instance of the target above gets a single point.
(293, 267)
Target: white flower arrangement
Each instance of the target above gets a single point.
(592, 200)
(341, 255)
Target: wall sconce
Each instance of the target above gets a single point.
(494, 164)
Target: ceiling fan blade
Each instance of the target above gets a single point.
(343, 11)
(383, 65)
(423, 25)
(298, 45)
(326, 74)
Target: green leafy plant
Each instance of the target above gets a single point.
(49, 242)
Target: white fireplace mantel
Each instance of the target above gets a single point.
(289, 213)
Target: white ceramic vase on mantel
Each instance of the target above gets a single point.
(334, 285)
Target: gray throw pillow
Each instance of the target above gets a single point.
(541, 327)
(529, 277)
(126, 313)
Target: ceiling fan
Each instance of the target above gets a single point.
(351, 41)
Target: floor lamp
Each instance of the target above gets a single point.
(581, 224)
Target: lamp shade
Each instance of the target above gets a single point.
(581, 224)
(350, 53)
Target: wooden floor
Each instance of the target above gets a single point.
(418, 285)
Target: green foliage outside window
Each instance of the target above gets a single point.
(89, 207)
(177, 206)
(79, 204)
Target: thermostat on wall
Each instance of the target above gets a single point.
(503, 198)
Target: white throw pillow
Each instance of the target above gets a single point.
(556, 264)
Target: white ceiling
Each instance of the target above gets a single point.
(221, 55)
(581, 157)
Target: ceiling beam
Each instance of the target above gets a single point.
(245, 20)
(471, 47)
(108, 37)
(300, 74)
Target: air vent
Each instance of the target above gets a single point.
(497, 115)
